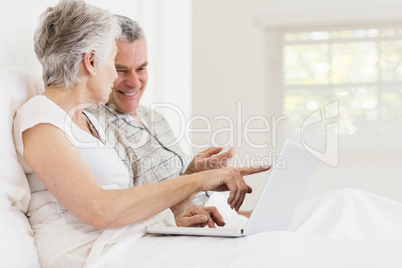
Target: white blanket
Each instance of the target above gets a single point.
(339, 229)
(17, 247)
(274, 249)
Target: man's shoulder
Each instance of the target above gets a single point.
(103, 110)
(97, 109)
(106, 115)
(150, 114)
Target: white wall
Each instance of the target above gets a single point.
(233, 60)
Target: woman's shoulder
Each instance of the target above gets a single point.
(36, 110)
(39, 109)
(38, 103)
(34, 101)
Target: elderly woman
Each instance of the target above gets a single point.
(79, 186)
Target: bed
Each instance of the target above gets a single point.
(343, 228)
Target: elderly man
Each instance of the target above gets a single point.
(144, 149)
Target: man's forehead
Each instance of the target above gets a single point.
(137, 43)
(131, 54)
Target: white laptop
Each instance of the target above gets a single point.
(277, 202)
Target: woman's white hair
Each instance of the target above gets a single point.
(65, 33)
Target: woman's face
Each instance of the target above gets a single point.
(102, 83)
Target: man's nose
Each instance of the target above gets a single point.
(133, 80)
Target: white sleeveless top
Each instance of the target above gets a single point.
(104, 162)
(56, 230)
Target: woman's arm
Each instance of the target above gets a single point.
(60, 167)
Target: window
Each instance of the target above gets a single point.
(361, 68)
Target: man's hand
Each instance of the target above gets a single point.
(196, 216)
(210, 159)
(180, 208)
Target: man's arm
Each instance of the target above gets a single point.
(210, 159)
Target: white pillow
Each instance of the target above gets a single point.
(17, 248)
(16, 87)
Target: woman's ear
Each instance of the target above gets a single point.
(89, 62)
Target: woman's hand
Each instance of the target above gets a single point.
(196, 216)
(210, 159)
(230, 179)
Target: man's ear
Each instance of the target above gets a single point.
(89, 62)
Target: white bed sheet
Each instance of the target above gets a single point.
(274, 249)
(346, 228)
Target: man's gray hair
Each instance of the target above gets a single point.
(65, 33)
(130, 30)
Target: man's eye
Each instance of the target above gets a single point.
(120, 70)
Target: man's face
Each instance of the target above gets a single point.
(131, 66)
